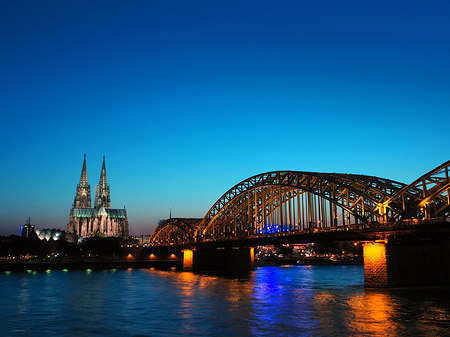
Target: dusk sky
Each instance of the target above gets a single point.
(188, 98)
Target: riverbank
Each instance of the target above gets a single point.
(88, 264)
(158, 264)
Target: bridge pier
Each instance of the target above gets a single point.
(406, 263)
(227, 260)
(188, 260)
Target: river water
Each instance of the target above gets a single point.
(271, 301)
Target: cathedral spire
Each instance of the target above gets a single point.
(103, 182)
(83, 195)
(102, 193)
(84, 178)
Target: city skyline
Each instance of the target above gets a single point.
(187, 100)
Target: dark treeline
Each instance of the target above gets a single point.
(16, 246)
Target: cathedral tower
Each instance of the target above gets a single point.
(85, 221)
(83, 196)
(102, 193)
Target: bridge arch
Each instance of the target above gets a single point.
(250, 206)
(427, 197)
(175, 230)
(281, 201)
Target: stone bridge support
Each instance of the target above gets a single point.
(406, 263)
(219, 260)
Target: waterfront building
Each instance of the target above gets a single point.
(27, 230)
(47, 234)
(85, 221)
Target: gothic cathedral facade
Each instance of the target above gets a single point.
(85, 221)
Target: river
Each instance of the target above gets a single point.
(271, 301)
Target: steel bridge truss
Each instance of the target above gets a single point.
(285, 201)
(426, 198)
(175, 230)
(291, 200)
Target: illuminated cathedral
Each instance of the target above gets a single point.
(85, 221)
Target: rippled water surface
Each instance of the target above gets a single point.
(271, 301)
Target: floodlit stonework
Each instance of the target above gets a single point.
(86, 221)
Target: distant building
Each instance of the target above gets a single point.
(142, 238)
(85, 221)
(47, 234)
(27, 230)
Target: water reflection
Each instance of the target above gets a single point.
(292, 301)
(282, 304)
(24, 297)
(372, 313)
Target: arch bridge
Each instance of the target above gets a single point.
(309, 202)
(175, 230)
(405, 228)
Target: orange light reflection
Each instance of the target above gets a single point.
(373, 315)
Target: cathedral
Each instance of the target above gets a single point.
(102, 219)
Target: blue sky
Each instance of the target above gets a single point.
(188, 98)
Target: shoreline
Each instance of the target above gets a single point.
(94, 265)
(158, 264)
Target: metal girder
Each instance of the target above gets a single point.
(345, 190)
(285, 198)
(235, 214)
(426, 197)
(185, 226)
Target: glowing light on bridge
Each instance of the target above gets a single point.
(375, 267)
(188, 259)
(270, 229)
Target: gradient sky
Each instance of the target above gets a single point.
(188, 98)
